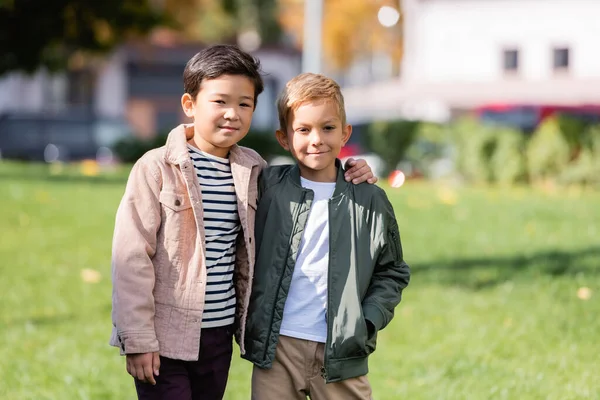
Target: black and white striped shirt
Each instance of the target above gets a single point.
(221, 227)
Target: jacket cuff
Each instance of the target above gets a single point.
(137, 343)
(374, 315)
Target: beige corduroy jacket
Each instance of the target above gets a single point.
(158, 267)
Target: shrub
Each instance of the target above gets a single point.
(548, 152)
(573, 130)
(586, 168)
(390, 140)
(130, 149)
(430, 145)
(474, 145)
(508, 162)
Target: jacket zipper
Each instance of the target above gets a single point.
(301, 205)
(328, 338)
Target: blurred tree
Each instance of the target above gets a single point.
(47, 33)
(218, 20)
(206, 20)
(269, 27)
(351, 29)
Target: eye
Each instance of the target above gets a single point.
(219, 101)
(245, 105)
(302, 130)
(329, 127)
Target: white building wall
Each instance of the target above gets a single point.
(22, 92)
(111, 88)
(6, 88)
(462, 40)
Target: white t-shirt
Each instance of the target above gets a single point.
(304, 314)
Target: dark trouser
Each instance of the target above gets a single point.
(204, 379)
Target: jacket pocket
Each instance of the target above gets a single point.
(175, 201)
(175, 237)
(371, 338)
(351, 340)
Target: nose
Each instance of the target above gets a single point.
(315, 138)
(231, 114)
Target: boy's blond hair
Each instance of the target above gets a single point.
(308, 87)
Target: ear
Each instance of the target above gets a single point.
(346, 133)
(187, 103)
(282, 139)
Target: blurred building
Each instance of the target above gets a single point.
(461, 54)
(136, 90)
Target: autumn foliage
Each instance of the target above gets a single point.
(350, 29)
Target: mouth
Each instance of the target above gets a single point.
(229, 128)
(317, 153)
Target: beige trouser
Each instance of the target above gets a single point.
(296, 373)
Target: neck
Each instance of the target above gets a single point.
(209, 148)
(328, 174)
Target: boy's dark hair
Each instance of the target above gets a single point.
(218, 60)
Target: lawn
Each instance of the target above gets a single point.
(503, 302)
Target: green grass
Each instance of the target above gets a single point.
(492, 310)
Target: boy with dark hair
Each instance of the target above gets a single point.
(329, 266)
(183, 251)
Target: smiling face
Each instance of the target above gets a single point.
(222, 113)
(314, 136)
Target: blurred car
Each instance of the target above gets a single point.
(527, 117)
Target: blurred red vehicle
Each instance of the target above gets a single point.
(527, 117)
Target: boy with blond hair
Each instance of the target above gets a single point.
(329, 267)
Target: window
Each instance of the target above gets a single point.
(561, 59)
(511, 60)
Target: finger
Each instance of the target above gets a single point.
(355, 172)
(358, 172)
(149, 375)
(362, 178)
(349, 163)
(359, 163)
(128, 367)
(372, 180)
(139, 374)
(356, 165)
(155, 363)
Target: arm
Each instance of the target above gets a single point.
(391, 274)
(134, 244)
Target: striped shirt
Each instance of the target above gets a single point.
(221, 227)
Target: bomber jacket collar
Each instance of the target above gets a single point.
(177, 151)
(340, 184)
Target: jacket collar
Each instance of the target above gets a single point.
(176, 146)
(340, 184)
(177, 151)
